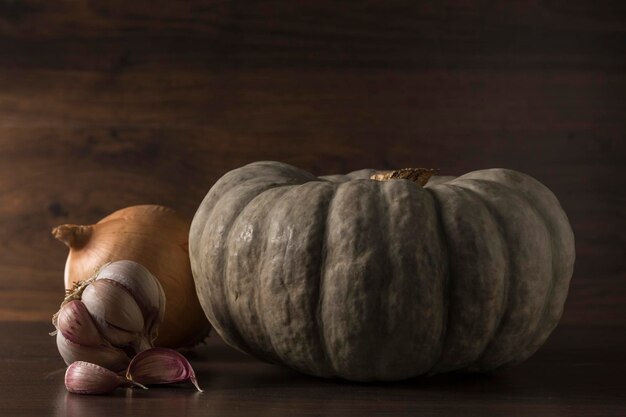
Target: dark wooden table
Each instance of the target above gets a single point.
(579, 372)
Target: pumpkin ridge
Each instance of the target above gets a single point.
(233, 331)
(383, 212)
(550, 229)
(476, 366)
(258, 299)
(530, 276)
(414, 307)
(447, 284)
(330, 338)
(558, 257)
(320, 293)
(257, 346)
(260, 267)
(202, 218)
(281, 266)
(352, 280)
(484, 257)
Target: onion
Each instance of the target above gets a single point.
(157, 238)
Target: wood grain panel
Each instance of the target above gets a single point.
(108, 104)
(114, 35)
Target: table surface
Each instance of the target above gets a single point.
(579, 372)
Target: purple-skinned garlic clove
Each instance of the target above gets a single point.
(161, 366)
(89, 378)
(144, 287)
(76, 324)
(113, 307)
(78, 339)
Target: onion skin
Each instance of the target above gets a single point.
(157, 238)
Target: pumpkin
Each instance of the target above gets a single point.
(353, 277)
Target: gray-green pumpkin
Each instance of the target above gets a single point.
(346, 276)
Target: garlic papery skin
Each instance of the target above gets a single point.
(88, 378)
(161, 366)
(155, 237)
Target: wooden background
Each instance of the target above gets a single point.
(105, 104)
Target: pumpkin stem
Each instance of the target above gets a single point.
(419, 176)
(74, 236)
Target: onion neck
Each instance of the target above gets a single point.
(74, 236)
(419, 176)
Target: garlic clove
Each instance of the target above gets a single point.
(113, 308)
(103, 355)
(139, 282)
(161, 366)
(143, 286)
(76, 324)
(88, 378)
(118, 337)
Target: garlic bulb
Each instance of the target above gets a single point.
(155, 237)
(88, 378)
(110, 317)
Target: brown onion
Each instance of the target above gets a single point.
(157, 238)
